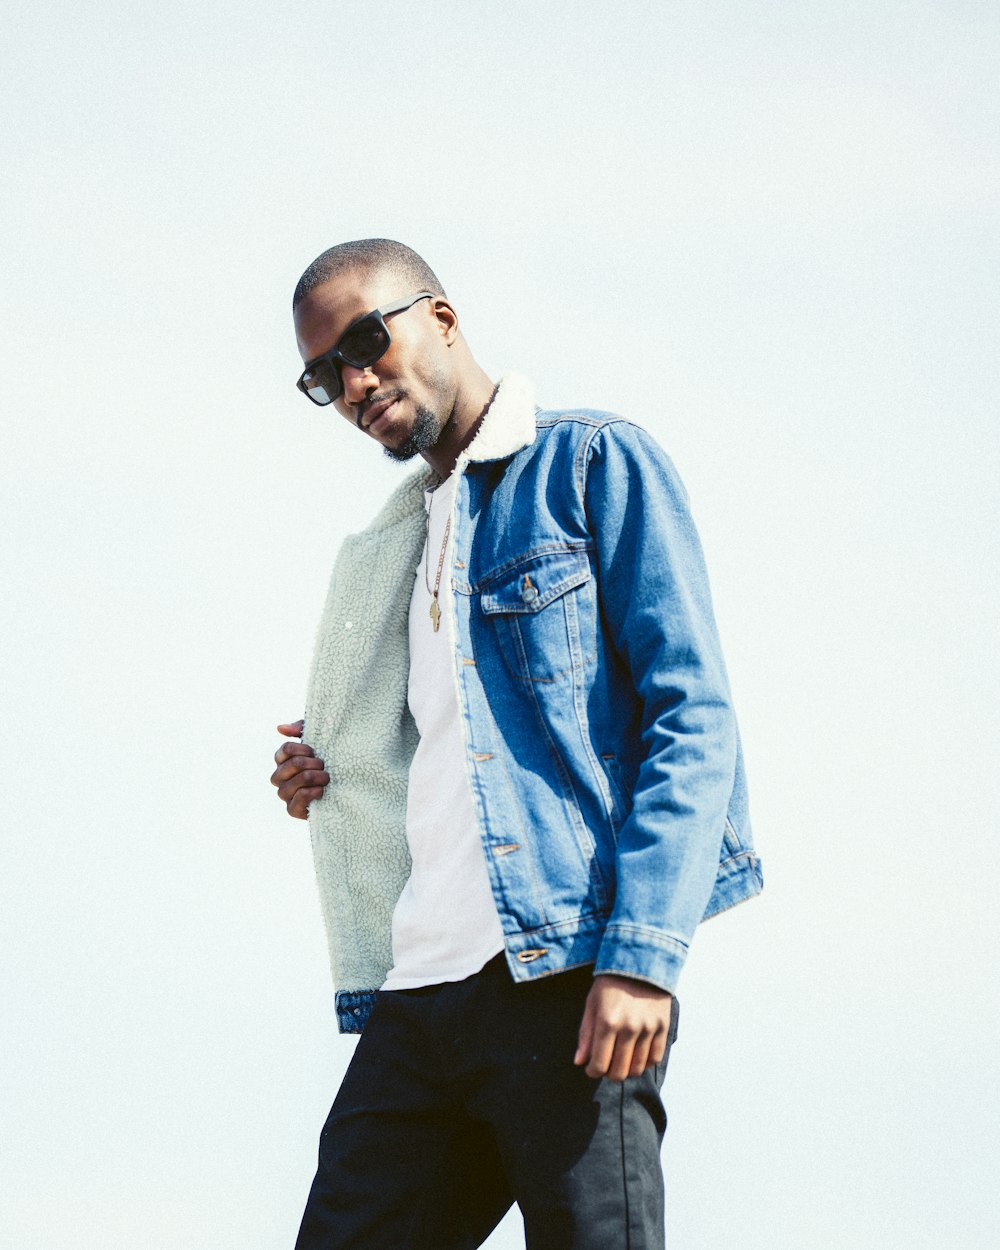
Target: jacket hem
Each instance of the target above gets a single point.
(353, 1007)
(739, 879)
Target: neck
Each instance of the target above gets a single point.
(459, 430)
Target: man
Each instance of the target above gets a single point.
(524, 783)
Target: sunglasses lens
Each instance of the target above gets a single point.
(359, 346)
(322, 384)
(364, 343)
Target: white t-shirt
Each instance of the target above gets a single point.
(445, 926)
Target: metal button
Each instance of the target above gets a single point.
(529, 957)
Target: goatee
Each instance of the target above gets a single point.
(422, 437)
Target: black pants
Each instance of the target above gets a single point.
(463, 1098)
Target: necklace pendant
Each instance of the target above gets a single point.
(435, 614)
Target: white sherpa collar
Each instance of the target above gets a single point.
(509, 423)
(508, 426)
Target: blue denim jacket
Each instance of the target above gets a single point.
(601, 744)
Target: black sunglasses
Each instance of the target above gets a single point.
(361, 344)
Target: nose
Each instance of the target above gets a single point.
(358, 384)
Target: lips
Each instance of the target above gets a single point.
(372, 415)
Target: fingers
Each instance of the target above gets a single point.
(289, 749)
(300, 777)
(299, 804)
(298, 793)
(619, 1049)
(639, 1060)
(293, 729)
(585, 1040)
(602, 1052)
(620, 1052)
(624, 1028)
(303, 764)
(658, 1047)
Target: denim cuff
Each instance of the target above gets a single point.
(353, 1009)
(643, 954)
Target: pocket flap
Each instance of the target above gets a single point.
(536, 581)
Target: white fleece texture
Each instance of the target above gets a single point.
(357, 718)
(358, 722)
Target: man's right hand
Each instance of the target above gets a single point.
(300, 776)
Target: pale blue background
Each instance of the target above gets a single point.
(766, 231)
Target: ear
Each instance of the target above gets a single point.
(446, 318)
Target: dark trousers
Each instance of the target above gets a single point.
(463, 1098)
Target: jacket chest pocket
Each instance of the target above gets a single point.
(543, 615)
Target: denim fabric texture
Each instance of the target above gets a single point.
(603, 747)
(601, 743)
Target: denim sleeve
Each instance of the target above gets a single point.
(656, 611)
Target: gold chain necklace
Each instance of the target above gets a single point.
(435, 606)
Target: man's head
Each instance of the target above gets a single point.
(365, 257)
(399, 375)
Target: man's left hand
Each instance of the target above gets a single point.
(624, 1027)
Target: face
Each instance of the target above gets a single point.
(404, 400)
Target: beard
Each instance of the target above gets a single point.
(424, 433)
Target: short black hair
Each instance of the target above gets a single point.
(368, 256)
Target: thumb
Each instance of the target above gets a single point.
(293, 729)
